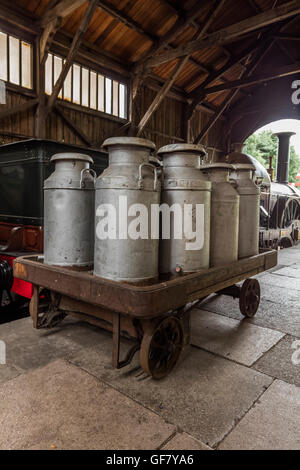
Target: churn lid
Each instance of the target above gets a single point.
(72, 156)
(137, 141)
(198, 149)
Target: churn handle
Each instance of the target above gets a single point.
(141, 176)
(87, 170)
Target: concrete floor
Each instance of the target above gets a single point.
(237, 386)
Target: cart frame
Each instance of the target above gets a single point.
(145, 313)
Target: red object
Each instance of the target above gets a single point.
(23, 288)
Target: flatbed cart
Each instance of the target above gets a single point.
(157, 316)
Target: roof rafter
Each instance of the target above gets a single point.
(230, 33)
(72, 53)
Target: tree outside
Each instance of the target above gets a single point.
(265, 144)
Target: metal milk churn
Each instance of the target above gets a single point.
(124, 247)
(69, 195)
(186, 201)
(249, 208)
(224, 226)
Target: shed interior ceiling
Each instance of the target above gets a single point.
(155, 18)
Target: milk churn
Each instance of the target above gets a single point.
(125, 248)
(249, 209)
(224, 226)
(186, 195)
(69, 211)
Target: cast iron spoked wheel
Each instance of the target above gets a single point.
(250, 297)
(161, 347)
(291, 212)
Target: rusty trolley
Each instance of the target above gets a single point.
(156, 316)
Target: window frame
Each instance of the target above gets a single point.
(99, 71)
(24, 37)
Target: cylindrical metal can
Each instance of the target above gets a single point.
(249, 209)
(69, 201)
(224, 228)
(125, 248)
(184, 245)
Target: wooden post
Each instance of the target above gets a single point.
(40, 116)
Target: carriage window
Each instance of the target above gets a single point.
(87, 88)
(15, 61)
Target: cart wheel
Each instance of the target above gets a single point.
(161, 348)
(250, 297)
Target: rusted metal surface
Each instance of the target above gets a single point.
(20, 237)
(140, 302)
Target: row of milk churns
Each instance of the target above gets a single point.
(76, 204)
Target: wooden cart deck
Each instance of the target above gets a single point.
(140, 302)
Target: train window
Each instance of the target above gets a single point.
(15, 61)
(87, 88)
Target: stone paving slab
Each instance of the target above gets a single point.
(283, 361)
(184, 442)
(204, 395)
(283, 317)
(236, 340)
(272, 424)
(280, 281)
(28, 348)
(8, 372)
(62, 407)
(292, 271)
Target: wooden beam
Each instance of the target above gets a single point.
(176, 29)
(286, 37)
(122, 18)
(73, 126)
(139, 70)
(18, 109)
(72, 53)
(62, 9)
(213, 13)
(246, 72)
(197, 94)
(47, 37)
(244, 82)
(230, 33)
(24, 21)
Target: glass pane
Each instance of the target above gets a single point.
(76, 84)
(26, 65)
(3, 56)
(68, 86)
(115, 98)
(100, 93)
(14, 60)
(93, 91)
(57, 70)
(85, 87)
(48, 75)
(123, 101)
(108, 95)
(2, 92)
